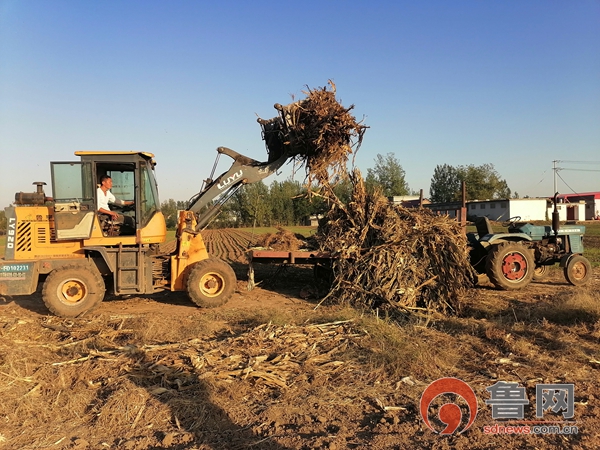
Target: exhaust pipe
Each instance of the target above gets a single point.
(555, 217)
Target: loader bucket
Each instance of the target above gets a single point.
(275, 130)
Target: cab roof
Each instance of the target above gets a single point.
(115, 152)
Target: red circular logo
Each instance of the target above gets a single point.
(449, 413)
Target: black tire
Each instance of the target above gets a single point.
(478, 257)
(323, 277)
(71, 290)
(578, 270)
(510, 265)
(541, 272)
(211, 283)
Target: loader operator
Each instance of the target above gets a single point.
(105, 196)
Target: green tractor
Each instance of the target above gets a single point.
(526, 251)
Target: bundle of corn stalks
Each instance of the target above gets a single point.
(282, 240)
(387, 256)
(276, 355)
(318, 132)
(384, 255)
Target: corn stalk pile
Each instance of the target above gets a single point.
(388, 256)
(282, 240)
(318, 132)
(385, 256)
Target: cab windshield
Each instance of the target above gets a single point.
(149, 203)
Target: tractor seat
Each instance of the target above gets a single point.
(483, 226)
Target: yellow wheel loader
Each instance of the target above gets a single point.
(65, 243)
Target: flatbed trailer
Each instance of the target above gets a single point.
(304, 257)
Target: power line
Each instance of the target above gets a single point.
(567, 184)
(578, 170)
(577, 162)
(556, 169)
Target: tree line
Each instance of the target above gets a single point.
(281, 203)
(286, 203)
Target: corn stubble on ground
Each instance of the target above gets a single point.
(386, 256)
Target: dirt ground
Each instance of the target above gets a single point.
(275, 369)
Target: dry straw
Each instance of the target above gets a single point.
(385, 256)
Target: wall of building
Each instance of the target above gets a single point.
(500, 210)
(497, 210)
(528, 208)
(569, 211)
(591, 200)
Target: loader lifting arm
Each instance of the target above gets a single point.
(243, 171)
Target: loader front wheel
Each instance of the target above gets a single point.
(71, 290)
(510, 266)
(211, 283)
(578, 270)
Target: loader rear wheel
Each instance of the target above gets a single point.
(71, 290)
(578, 270)
(211, 283)
(510, 265)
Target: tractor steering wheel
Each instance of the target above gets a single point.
(512, 221)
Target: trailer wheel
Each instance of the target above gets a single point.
(578, 270)
(211, 283)
(71, 290)
(541, 272)
(510, 265)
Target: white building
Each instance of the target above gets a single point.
(527, 208)
(591, 201)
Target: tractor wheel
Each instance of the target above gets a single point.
(510, 265)
(71, 290)
(541, 272)
(578, 270)
(211, 283)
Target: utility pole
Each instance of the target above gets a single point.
(555, 169)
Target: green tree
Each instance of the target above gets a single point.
(483, 182)
(250, 206)
(389, 175)
(169, 209)
(343, 190)
(445, 184)
(282, 201)
(2, 222)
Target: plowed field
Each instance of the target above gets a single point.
(229, 244)
(272, 369)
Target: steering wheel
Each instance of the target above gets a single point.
(511, 222)
(124, 208)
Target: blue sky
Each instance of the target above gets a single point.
(511, 83)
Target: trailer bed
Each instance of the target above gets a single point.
(306, 257)
(288, 257)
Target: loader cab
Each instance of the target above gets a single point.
(75, 189)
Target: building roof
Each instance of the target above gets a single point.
(596, 195)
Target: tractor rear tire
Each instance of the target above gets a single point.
(72, 290)
(578, 270)
(541, 272)
(211, 283)
(510, 265)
